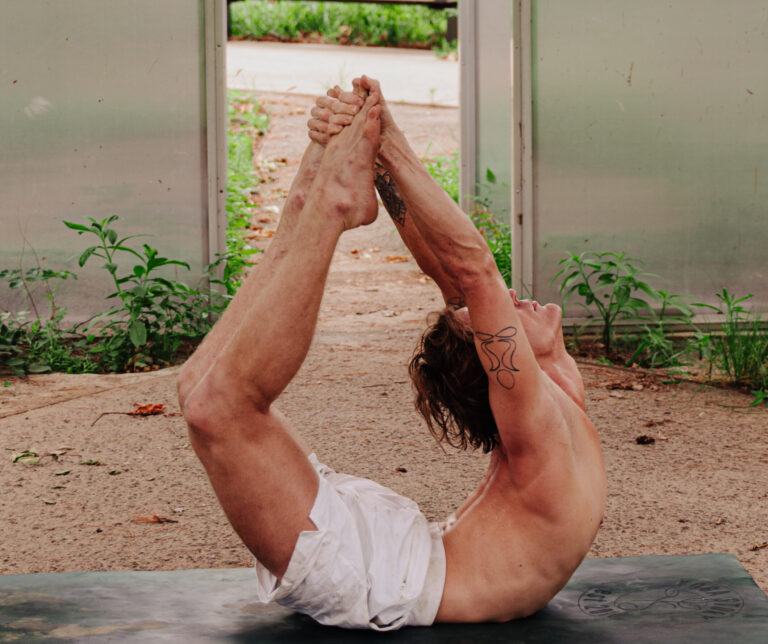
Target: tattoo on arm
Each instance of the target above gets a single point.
(393, 202)
(499, 348)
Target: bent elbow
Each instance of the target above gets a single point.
(473, 274)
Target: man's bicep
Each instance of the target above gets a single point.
(501, 341)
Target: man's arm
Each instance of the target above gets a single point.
(200, 361)
(458, 248)
(409, 233)
(334, 111)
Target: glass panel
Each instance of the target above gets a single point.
(651, 137)
(103, 112)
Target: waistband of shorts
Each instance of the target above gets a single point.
(425, 609)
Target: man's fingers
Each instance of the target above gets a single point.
(357, 88)
(319, 137)
(326, 101)
(334, 92)
(350, 98)
(318, 125)
(341, 119)
(370, 84)
(346, 108)
(322, 113)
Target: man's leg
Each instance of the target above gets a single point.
(199, 363)
(263, 480)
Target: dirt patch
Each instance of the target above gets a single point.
(700, 486)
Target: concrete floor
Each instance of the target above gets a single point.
(406, 75)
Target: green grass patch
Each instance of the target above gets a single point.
(357, 23)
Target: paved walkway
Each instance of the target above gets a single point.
(406, 75)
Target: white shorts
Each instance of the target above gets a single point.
(373, 562)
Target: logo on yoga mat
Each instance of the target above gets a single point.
(703, 598)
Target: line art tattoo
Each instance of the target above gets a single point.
(500, 348)
(393, 202)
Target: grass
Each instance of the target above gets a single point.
(356, 23)
(739, 352)
(246, 121)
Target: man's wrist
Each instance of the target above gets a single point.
(392, 151)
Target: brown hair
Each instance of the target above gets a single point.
(451, 384)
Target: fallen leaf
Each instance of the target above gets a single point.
(758, 546)
(354, 251)
(262, 234)
(719, 521)
(27, 456)
(155, 518)
(91, 461)
(645, 440)
(115, 472)
(401, 469)
(396, 258)
(63, 472)
(147, 410)
(49, 502)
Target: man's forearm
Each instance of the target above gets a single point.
(398, 211)
(441, 232)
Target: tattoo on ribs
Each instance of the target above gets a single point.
(500, 348)
(389, 195)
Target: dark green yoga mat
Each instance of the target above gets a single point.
(699, 598)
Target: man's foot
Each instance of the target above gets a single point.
(346, 170)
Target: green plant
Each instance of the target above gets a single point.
(609, 282)
(156, 313)
(497, 234)
(445, 48)
(247, 120)
(653, 346)
(337, 22)
(34, 346)
(445, 170)
(740, 350)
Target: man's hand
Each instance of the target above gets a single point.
(331, 113)
(362, 87)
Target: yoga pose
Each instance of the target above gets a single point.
(491, 371)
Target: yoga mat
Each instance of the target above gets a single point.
(698, 598)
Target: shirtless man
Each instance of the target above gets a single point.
(343, 549)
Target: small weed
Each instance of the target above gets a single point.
(445, 170)
(446, 48)
(740, 350)
(155, 315)
(654, 346)
(608, 281)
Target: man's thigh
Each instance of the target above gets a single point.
(258, 467)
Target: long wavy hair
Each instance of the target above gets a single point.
(451, 385)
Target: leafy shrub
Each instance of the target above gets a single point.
(154, 317)
(337, 22)
(609, 282)
(740, 350)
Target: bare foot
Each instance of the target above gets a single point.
(345, 175)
